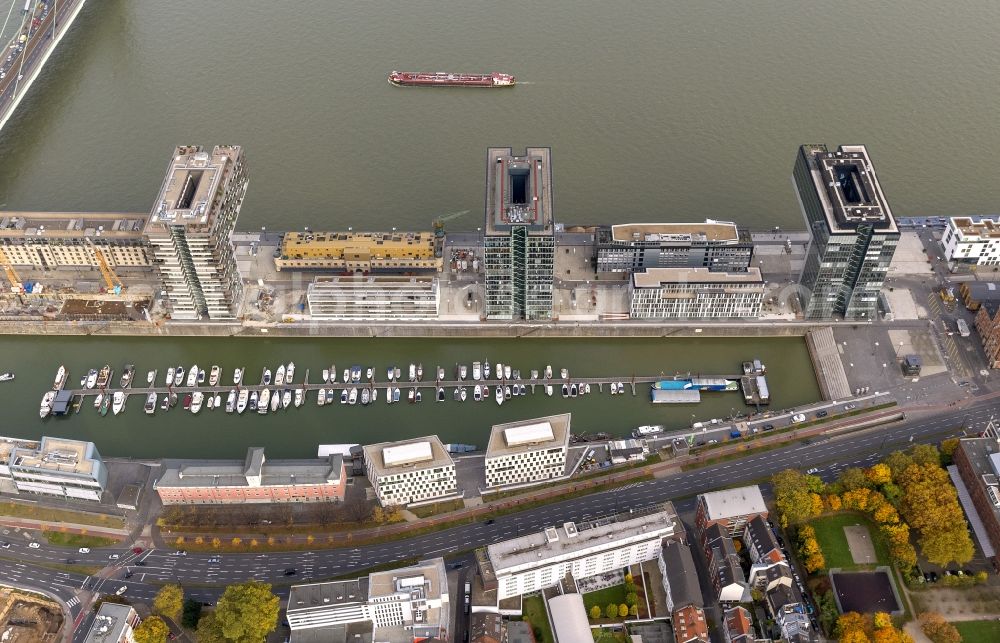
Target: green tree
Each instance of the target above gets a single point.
(633, 611)
(209, 630)
(151, 630)
(898, 461)
(595, 612)
(245, 612)
(631, 599)
(791, 494)
(623, 610)
(611, 610)
(815, 484)
(169, 602)
(191, 613)
(853, 478)
(923, 454)
(110, 598)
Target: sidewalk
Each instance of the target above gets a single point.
(355, 537)
(68, 527)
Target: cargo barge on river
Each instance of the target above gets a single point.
(445, 79)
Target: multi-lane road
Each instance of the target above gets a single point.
(207, 574)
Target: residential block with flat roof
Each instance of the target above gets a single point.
(972, 240)
(410, 471)
(406, 604)
(54, 467)
(733, 508)
(528, 450)
(695, 293)
(977, 461)
(718, 246)
(539, 560)
(114, 623)
(255, 480)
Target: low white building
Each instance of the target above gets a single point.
(114, 623)
(411, 603)
(53, 467)
(410, 471)
(375, 298)
(569, 619)
(695, 293)
(539, 560)
(527, 451)
(972, 240)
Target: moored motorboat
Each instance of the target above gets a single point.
(463, 372)
(215, 375)
(91, 378)
(237, 376)
(514, 390)
(395, 394)
(218, 400)
(486, 370)
(477, 393)
(275, 400)
(374, 394)
(499, 395)
(586, 387)
(127, 374)
(477, 371)
(352, 397)
(169, 379)
(411, 395)
(572, 390)
(396, 373)
(150, 406)
(321, 397)
(506, 371)
(355, 373)
(210, 402)
(300, 396)
(440, 394)
(344, 395)
(231, 401)
(263, 400)
(201, 376)
(440, 373)
(614, 388)
(289, 372)
(192, 377)
(187, 402)
(390, 374)
(388, 395)
(419, 396)
(241, 400)
(369, 374)
(548, 390)
(564, 373)
(506, 392)
(565, 390)
(118, 402)
(97, 400)
(197, 398)
(265, 377)
(105, 405)
(462, 395)
(420, 371)
(534, 374)
(165, 405)
(413, 372)
(548, 371)
(326, 376)
(46, 406)
(366, 396)
(286, 398)
(252, 402)
(279, 375)
(179, 375)
(499, 371)
(60, 380)
(151, 377)
(104, 376)
(347, 375)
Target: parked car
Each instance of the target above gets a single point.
(798, 417)
(137, 550)
(768, 427)
(822, 413)
(812, 471)
(850, 407)
(5, 545)
(140, 563)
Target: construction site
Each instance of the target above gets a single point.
(27, 617)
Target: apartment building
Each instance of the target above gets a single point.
(988, 327)
(725, 571)
(853, 234)
(255, 480)
(74, 240)
(519, 237)
(60, 467)
(732, 508)
(680, 576)
(737, 626)
(411, 603)
(410, 471)
(189, 230)
(113, 623)
(536, 561)
(689, 625)
(977, 461)
(527, 451)
(360, 252)
(374, 298)
(717, 246)
(972, 240)
(695, 293)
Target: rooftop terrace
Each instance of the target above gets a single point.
(518, 190)
(848, 188)
(388, 458)
(713, 231)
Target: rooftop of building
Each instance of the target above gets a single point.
(709, 231)
(271, 472)
(358, 245)
(110, 623)
(359, 632)
(689, 624)
(983, 455)
(760, 535)
(195, 180)
(485, 628)
(519, 632)
(729, 503)
(737, 621)
(306, 598)
(24, 226)
(519, 190)
(537, 434)
(569, 618)
(983, 227)
(7, 446)
(848, 188)
(656, 277)
(67, 457)
(981, 291)
(681, 574)
(388, 458)
(571, 538)
(388, 282)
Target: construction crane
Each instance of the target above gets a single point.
(439, 229)
(15, 281)
(111, 280)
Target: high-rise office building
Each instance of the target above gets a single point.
(189, 231)
(519, 238)
(853, 232)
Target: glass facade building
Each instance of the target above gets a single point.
(853, 232)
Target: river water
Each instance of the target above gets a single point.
(296, 432)
(655, 109)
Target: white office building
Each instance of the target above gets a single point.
(411, 604)
(527, 451)
(539, 560)
(189, 231)
(410, 471)
(974, 240)
(374, 298)
(114, 623)
(54, 467)
(695, 293)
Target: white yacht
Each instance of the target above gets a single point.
(506, 371)
(565, 390)
(388, 395)
(499, 371)
(275, 400)
(499, 395)
(353, 396)
(150, 406)
(197, 398)
(462, 395)
(192, 379)
(252, 403)
(477, 393)
(390, 374)
(506, 392)
(286, 398)
(265, 378)
(413, 372)
(265, 397)
(214, 375)
(237, 376)
(289, 372)
(91, 378)
(46, 406)
(321, 397)
(463, 372)
(347, 375)
(60, 380)
(210, 401)
(169, 381)
(395, 394)
(369, 374)
(440, 373)
(548, 371)
(118, 402)
(343, 396)
(477, 371)
(366, 397)
(300, 396)
(564, 373)
(231, 401)
(326, 376)
(279, 375)
(151, 377)
(548, 390)
(241, 401)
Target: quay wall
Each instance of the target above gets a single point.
(421, 330)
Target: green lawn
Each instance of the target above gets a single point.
(833, 542)
(614, 594)
(533, 609)
(59, 515)
(77, 540)
(603, 636)
(979, 631)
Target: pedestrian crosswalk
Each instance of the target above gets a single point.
(73, 601)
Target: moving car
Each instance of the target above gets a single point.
(113, 557)
(290, 571)
(122, 590)
(84, 550)
(34, 545)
